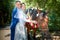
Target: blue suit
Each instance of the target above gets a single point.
(13, 23)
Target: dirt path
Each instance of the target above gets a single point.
(3, 33)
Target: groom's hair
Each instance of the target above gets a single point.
(18, 1)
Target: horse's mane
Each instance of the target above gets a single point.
(33, 13)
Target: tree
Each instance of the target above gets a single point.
(53, 6)
(5, 12)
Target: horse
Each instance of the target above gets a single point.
(42, 23)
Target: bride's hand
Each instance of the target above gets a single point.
(34, 22)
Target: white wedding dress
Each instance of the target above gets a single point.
(20, 31)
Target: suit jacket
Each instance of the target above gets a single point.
(14, 20)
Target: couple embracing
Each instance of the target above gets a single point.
(19, 18)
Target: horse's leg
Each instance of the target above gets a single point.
(28, 30)
(34, 32)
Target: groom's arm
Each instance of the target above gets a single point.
(13, 20)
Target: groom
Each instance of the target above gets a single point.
(14, 20)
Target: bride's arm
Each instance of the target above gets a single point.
(28, 20)
(21, 16)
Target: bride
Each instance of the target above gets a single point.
(20, 31)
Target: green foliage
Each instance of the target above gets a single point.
(52, 5)
(5, 12)
(54, 11)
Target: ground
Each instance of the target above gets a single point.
(5, 34)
